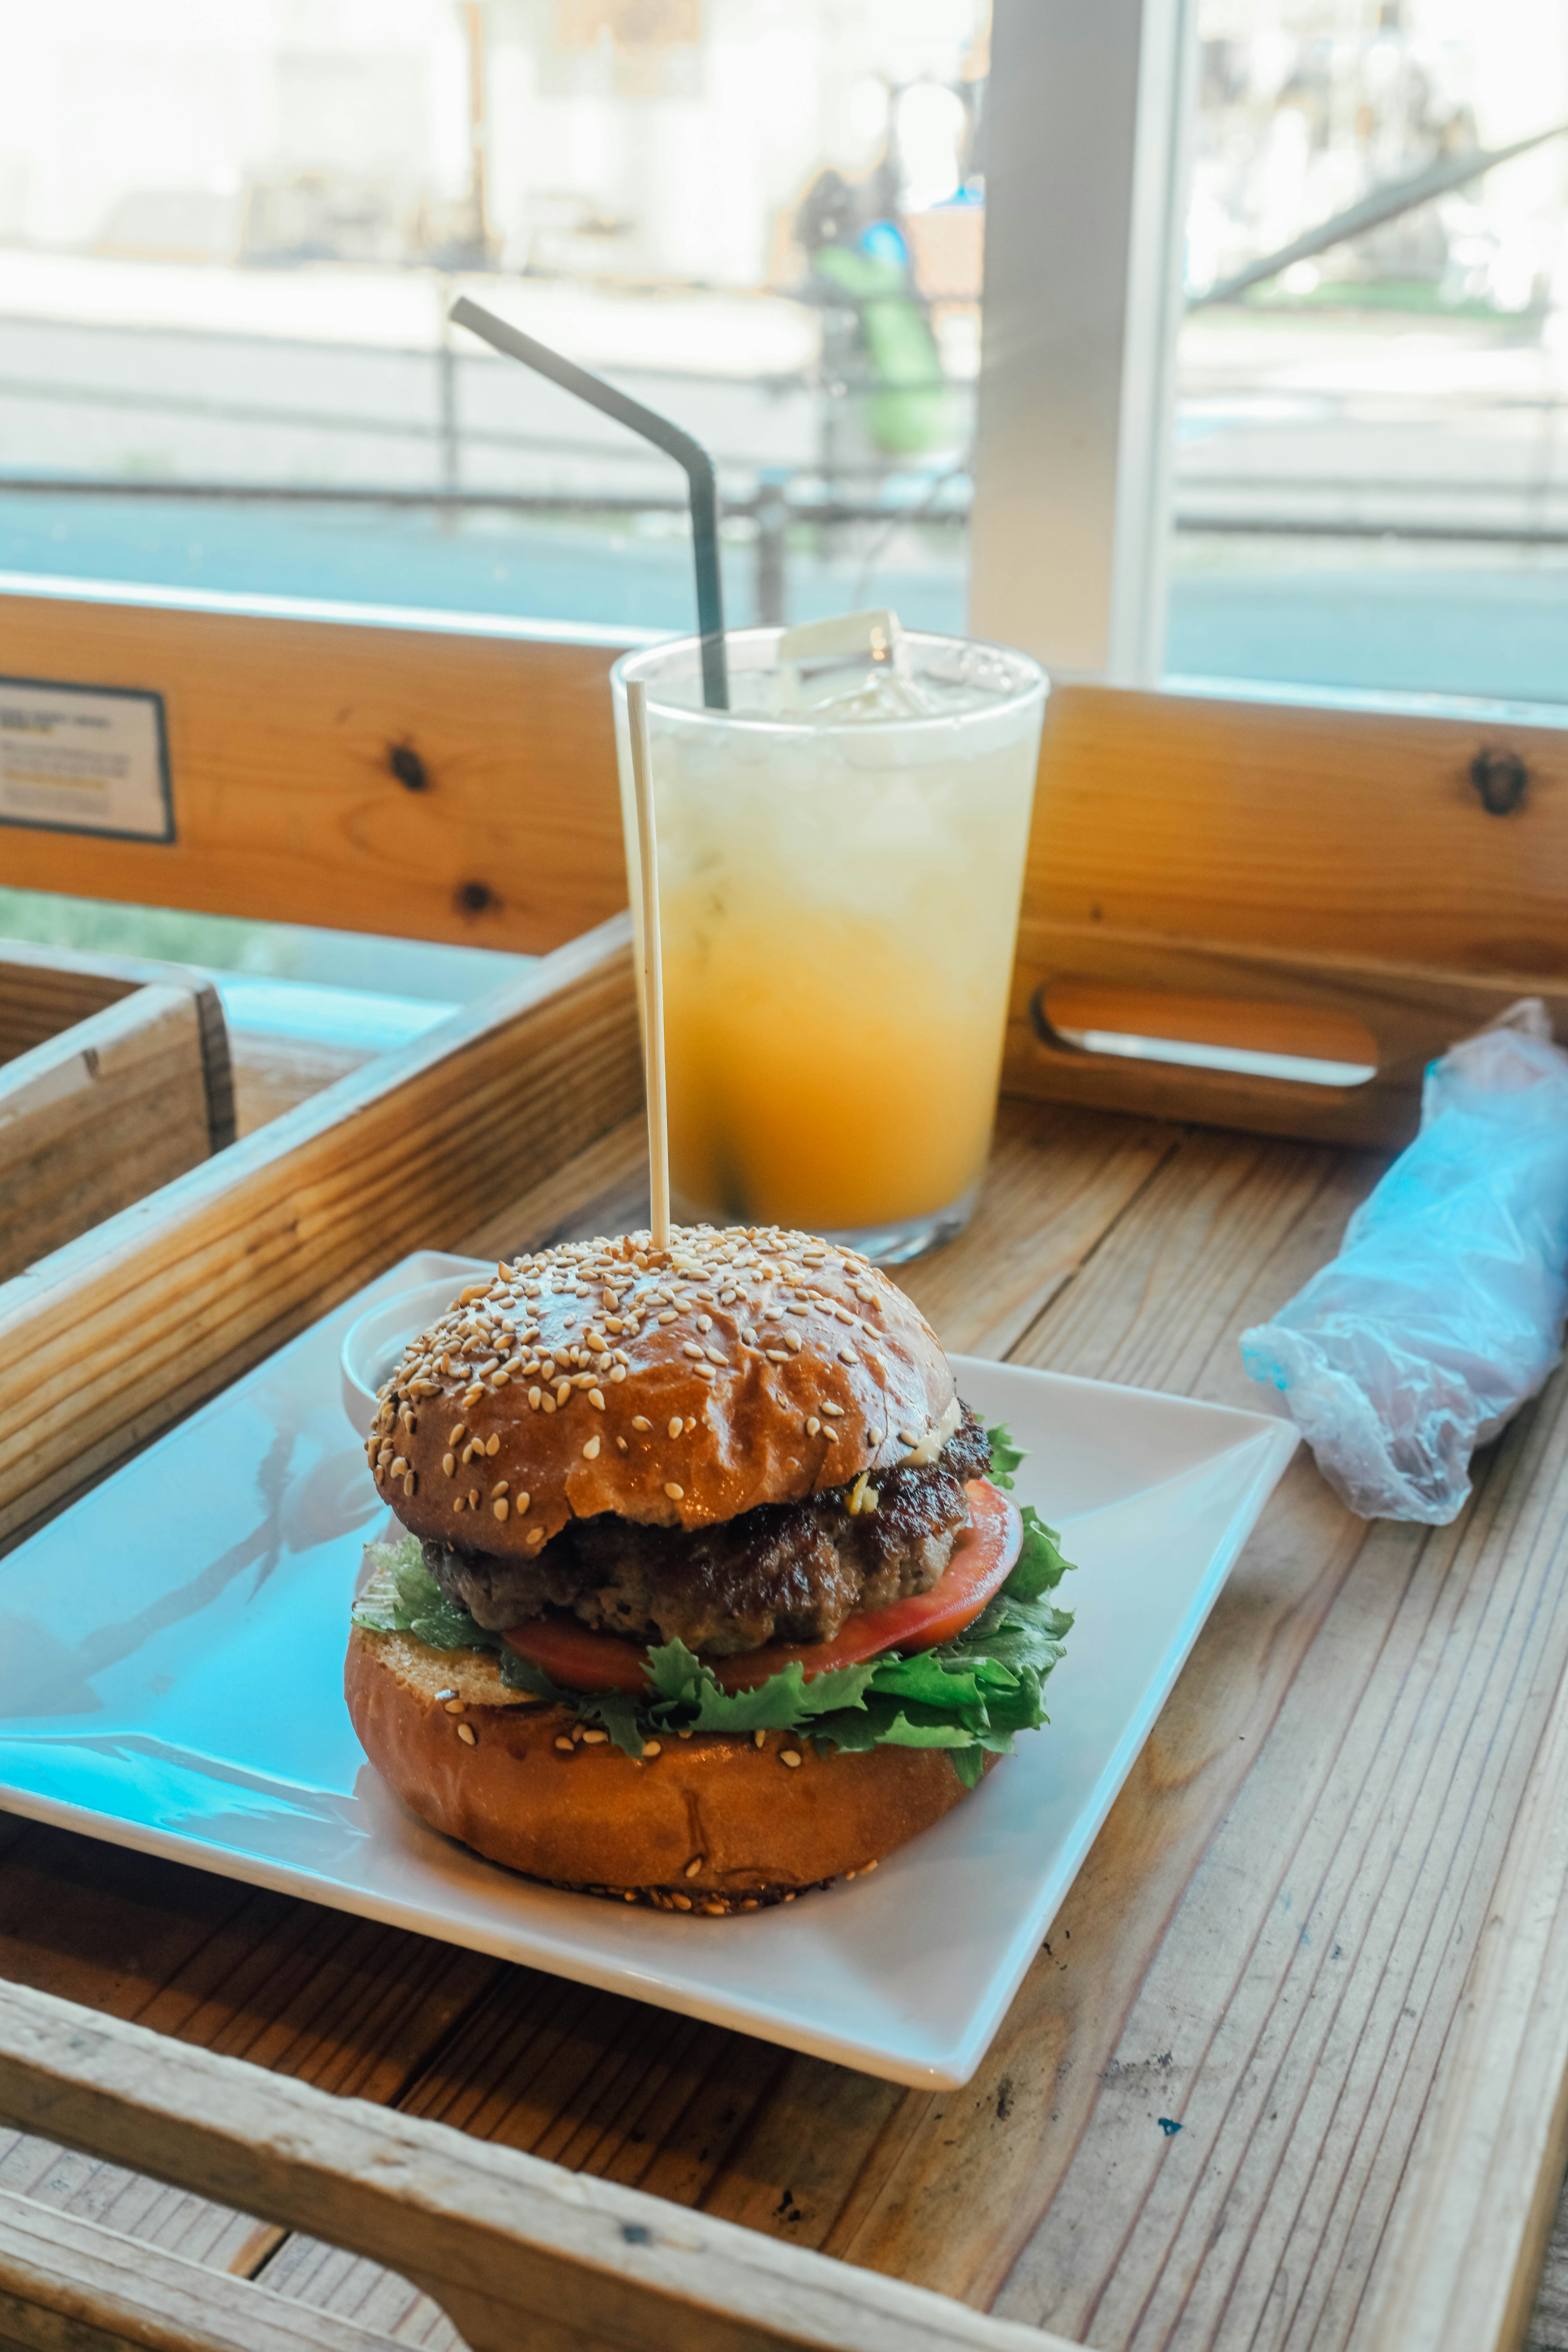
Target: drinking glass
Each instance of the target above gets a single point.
(840, 862)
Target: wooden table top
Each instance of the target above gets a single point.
(1266, 1946)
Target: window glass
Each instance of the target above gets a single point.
(1372, 461)
(230, 238)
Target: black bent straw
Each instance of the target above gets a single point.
(687, 453)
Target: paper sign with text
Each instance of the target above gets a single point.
(84, 759)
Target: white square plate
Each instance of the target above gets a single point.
(171, 1657)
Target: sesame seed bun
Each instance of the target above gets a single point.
(675, 1387)
(705, 1824)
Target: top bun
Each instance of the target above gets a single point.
(687, 1385)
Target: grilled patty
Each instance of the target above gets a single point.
(783, 1572)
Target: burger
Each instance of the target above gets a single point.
(711, 1589)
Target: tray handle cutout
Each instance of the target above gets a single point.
(1301, 1044)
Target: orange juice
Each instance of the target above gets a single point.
(838, 896)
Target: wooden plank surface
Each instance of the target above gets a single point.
(1267, 1949)
(72, 2286)
(283, 736)
(97, 1117)
(1277, 825)
(44, 990)
(513, 2248)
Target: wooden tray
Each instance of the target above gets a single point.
(1289, 2069)
(114, 1076)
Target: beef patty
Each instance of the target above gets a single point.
(783, 1572)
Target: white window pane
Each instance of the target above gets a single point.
(229, 236)
(1371, 457)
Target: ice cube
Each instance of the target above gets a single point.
(843, 636)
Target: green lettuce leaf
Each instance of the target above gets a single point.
(402, 1597)
(1005, 1456)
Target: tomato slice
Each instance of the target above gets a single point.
(579, 1659)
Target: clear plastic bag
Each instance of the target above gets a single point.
(1444, 1311)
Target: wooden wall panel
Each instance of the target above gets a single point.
(281, 737)
(1322, 830)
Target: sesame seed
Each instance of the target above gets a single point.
(681, 1902)
(759, 1739)
(595, 1738)
(790, 1756)
(667, 1315)
(676, 1494)
(694, 1865)
(641, 1422)
(705, 1322)
(452, 1703)
(492, 1446)
(590, 1450)
(597, 1398)
(562, 1390)
(651, 1748)
(621, 1445)
(776, 1355)
(812, 1425)
(398, 1466)
(908, 1437)
(473, 1498)
(564, 1743)
(411, 1482)
(691, 1349)
(845, 1355)
(535, 1536)
(832, 1407)
(548, 1404)
(521, 1503)
(600, 1347)
(501, 1508)
(450, 1464)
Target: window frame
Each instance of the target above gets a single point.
(1088, 132)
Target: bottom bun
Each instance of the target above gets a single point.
(712, 1822)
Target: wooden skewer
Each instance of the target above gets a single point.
(652, 972)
